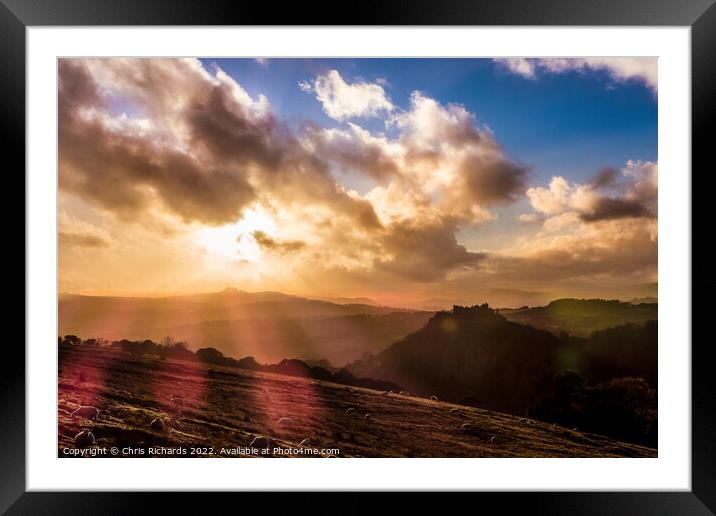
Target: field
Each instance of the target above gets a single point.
(228, 408)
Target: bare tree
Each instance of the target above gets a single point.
(167, 341)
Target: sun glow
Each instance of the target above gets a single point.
(236, 241)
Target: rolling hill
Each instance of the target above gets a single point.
(225, 412)
(267, 325)
(581, 317)
(477, 354)
(470, 352)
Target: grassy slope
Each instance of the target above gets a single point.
(228, 407)
(583, 316)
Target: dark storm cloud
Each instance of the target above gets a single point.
(494, 181)
(211, 150)
(424, 253)
(115, 169)
(606, 208)
(280, 246)
(604, 178)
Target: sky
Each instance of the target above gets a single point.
(512, 181)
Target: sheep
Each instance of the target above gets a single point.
(523, 420)
(285, 421)
(86, 412)
(350, 410)
(492, 439)
(402, 393)
(465, 427)
(575, 429)
(157, 424)
(84, 439)
(305, 442)
(454, 410)
(260, 442)
(367, 417)
(434, 398)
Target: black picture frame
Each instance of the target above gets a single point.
(700, 15)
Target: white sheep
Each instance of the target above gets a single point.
(305, 442)
(367, 417)
(86, 412)
(434, 398)
(286, 421)
(157, 424)
(260, 442)
(84, 439)
(350, 410)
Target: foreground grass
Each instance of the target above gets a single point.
(228, 408)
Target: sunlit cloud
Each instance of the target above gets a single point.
(172, 169)
(342, 100)
(635, 197)
(620, 69)
(72, 231)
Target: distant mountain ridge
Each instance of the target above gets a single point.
(268, 325)
(582, 317)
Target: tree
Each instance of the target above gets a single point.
(167, 341)
(73, 340)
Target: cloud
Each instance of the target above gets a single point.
(604, 178)
(200, 147)
(424, 253)
(620, 69)
(568, 249)
(604, 208)
(72, 231)
(637, 195)
(354, 150)
(342, 101)
(603, 230)
(439, 173)
(440, 164)
(280, 246)
(170, 142)
(519, 65)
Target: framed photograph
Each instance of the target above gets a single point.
(429, 242)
